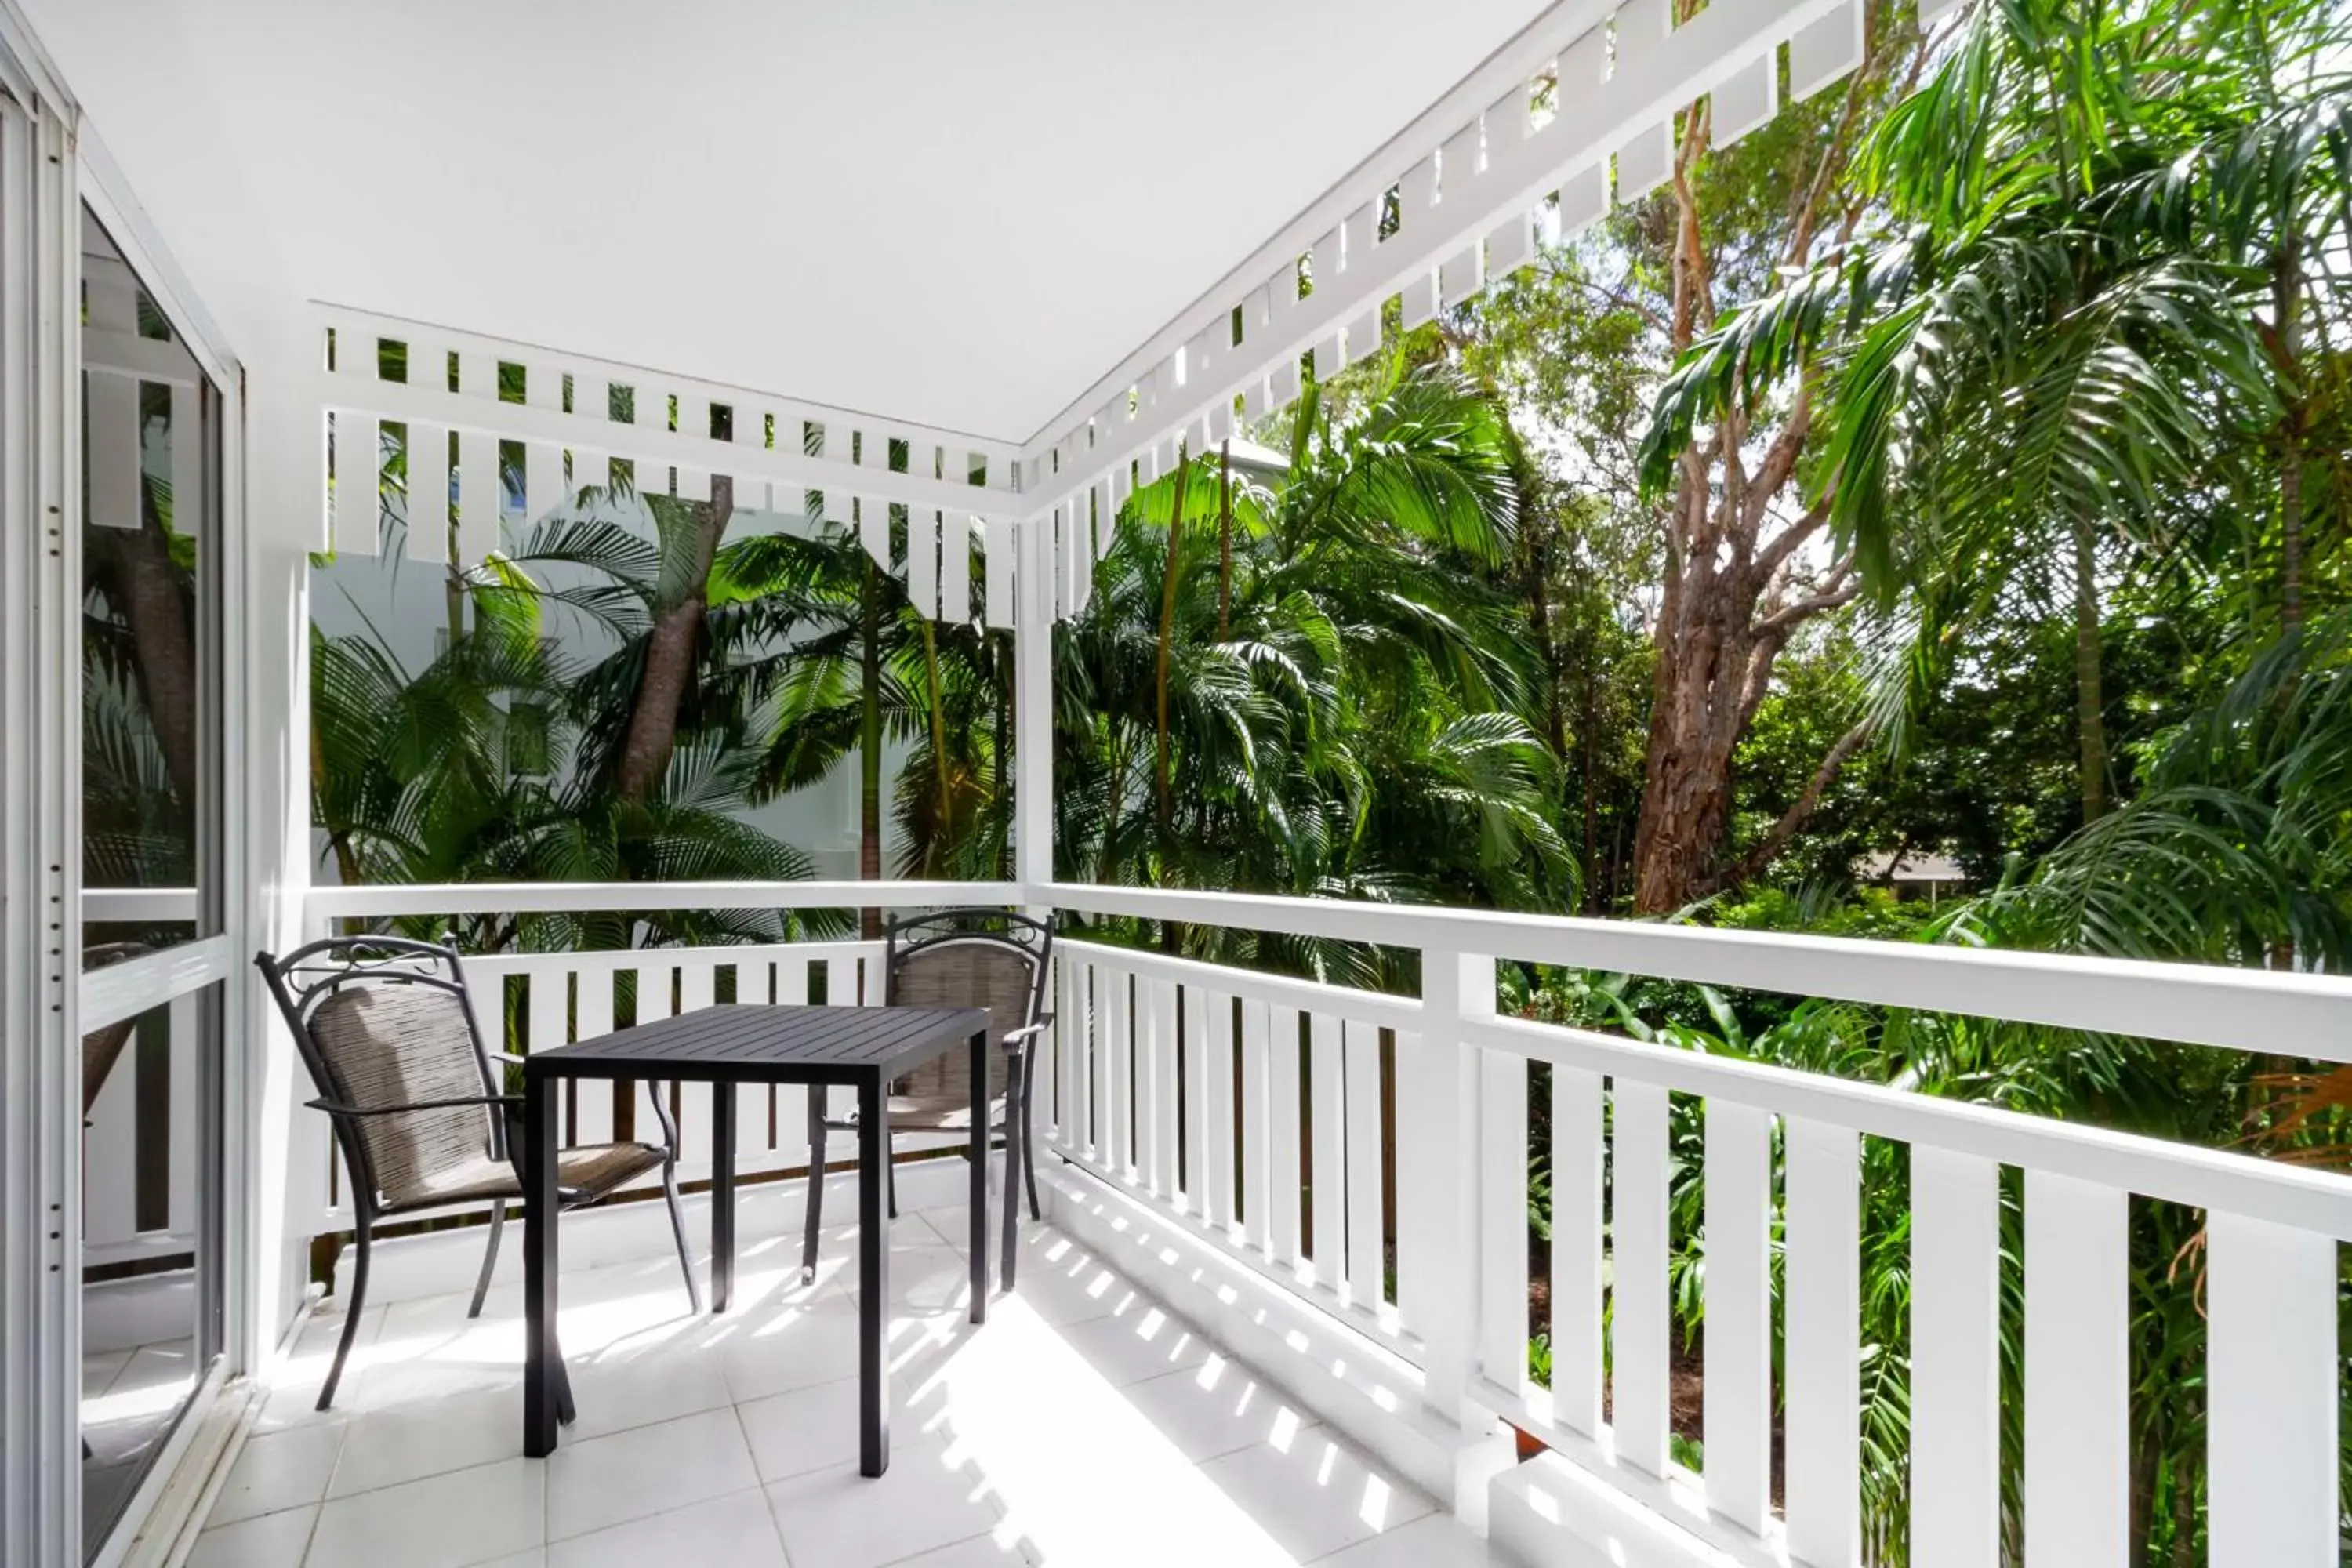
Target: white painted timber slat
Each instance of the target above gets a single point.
(1744, 102)
(1193, 1015)
(693, 483)
(1511, 244)
(1739, 1396)
(593, 1122)
(923, 561)
(478, 374)
(1364, 336)
(1502, 1165)
(1955, 1360)
(427, 457)
(1367, 1218)
(874, 528)
(181, 1134)
(791, 983)
(551, 1002)
(997, 571)
(1583, 200)
(1576, 1146)
(1824, 51)
(1638, 1310)
(1326, 1128)
(359, 476)
(542, 479)
(2273, 1372)
(1282, 1136)
(113, 462)
(1164, 1047)
(591, 470)
(2077, 1372)
(955, 568)
(1149, 1041)
(1219, 1210)
(1418, 299)
(1256, 1126)
(110, 1182)
(1644, 161)
(478, 496)
(1114, 1114)
(1822, 1305)
(1460, 276)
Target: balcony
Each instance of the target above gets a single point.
(1281, 1309)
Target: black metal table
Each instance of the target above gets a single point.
(862, 1048)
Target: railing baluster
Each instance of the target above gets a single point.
(109, 1151)
(1218, 1209)
(1164, 1047)
(1638, 1310)
(1258, 1130)
(2077, 1372)
(1367, 1209)
(1115, 1115)
(1955, 1360)
(698, 982)
(1501, 1161)
(1146, 1085)
(593, 1121)
(1282, 1151)
(2271, 1427)
(1195, 1019)
(1577, 1142)
(792, 982)
(1823, 1356)
(1326, 1131)
(181, 1130)
(551, 1007)
(1739, 1411)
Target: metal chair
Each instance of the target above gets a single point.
(386, 1027)
(958, 958)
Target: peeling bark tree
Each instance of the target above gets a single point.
(1738, 582)
(693, 530)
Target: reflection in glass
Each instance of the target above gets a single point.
(148, 427)
(149, 1282)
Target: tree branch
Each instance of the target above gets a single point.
(1803, 609)
(1785, 543)
(1768, 847)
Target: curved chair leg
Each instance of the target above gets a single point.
(815, 1204)
(1029, 1165)
(890, 1182)
(1010, 1196)
(678, 1229)
(490, 1257)
(360, 1239)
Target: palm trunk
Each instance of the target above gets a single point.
(2090, 703)
(939, 750)
(1224, 540)
(869, 747)
(2286, 302)
(148, 586)
(670, 653)
(1167, 636)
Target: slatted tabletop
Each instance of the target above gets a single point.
(758, 1041)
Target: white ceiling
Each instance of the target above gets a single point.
(957, 213)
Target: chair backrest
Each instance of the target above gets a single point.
(968, 958)
(386, 1021)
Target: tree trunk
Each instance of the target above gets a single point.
(1167, 636)
(869, 746)
(147, 589)
(1224, 540)
(2090, 703)
(670, 652)
(2286, 304)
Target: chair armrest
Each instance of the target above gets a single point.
(336, 1107)
(1013, 1037)
(508, 1057)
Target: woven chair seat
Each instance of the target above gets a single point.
(586, 1173)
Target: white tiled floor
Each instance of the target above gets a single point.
(1084, 1426)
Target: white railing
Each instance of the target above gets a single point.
(534, 1000)
(139, 1176)
(1369, 1152)
(1460, 1116)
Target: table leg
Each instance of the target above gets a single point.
(979, 1238)
(873, 1278)
(722, 1195)
(542, 1378)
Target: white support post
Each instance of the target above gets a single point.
(1032, 678)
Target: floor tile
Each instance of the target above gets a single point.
(979, 1552)
(271, 1540)
(1218, 1407)
(735, 1531)
(795, 1347)
(389, 1447)
(835, 1518)
(442, 1521)
(1316, 1495)
(807, 1429)
(1140, 1343)
(278, 1470)
(1435, 1540)
(613, 1395)
(646, 1470)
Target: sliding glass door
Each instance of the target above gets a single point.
(153, 955)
